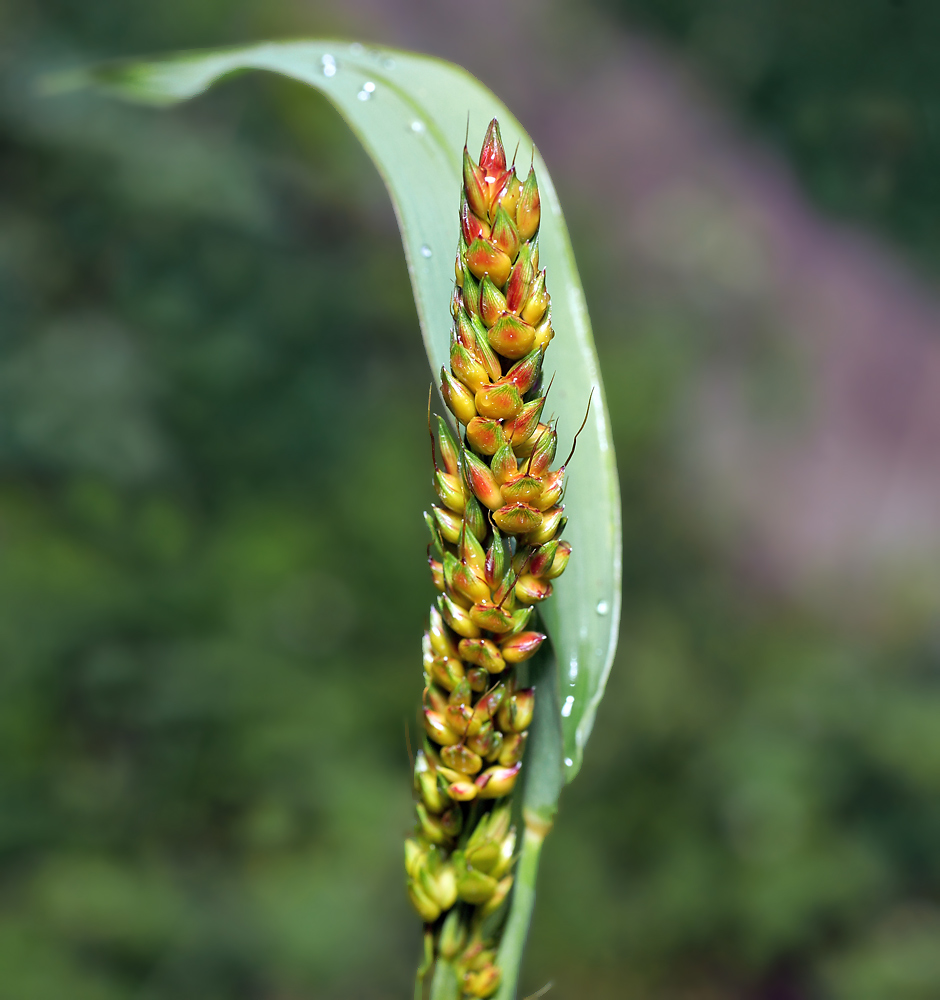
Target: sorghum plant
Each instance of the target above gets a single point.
(495, 549)
(495, 536)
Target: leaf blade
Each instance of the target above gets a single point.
(410, 113)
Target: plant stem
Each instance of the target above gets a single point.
(520, 916)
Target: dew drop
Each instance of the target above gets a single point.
(417, 126)
(356, 49)
(328, 65)
(573, 669)
(602, 607)
(568, 706)
(569, 762)
(368, 89)
(426, 251)
(388, 63)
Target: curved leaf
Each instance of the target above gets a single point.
(410, 113)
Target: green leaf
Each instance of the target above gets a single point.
(411, 113)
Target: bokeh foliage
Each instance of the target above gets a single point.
(847, 90)
(212, 460)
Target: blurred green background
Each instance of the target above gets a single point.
(212, 467)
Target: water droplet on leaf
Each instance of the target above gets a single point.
(356, 48)
(426, 251)
(417, 126)
(602, 607)
(568, 706)
(328, 65)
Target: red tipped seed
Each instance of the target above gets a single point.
(464, 330)
(461, 758)
(472, 554)
(532, 589)
(553, 487)
(551, 520)
(524, 374)
(449, 451)
(479, 679)
(483, 653)
(517, 518)
(526, 446)
(504, 465)
(520, 647)
(511, 337)
(484, 742)
(543, 333)
(523, 425)
(515, 713)
(442, 642)
(490, 617)
(509, 197)
(482, 481)
(540, 560)
(462, 790)
(461, 695)
(474, 187)
(450, 490)
(522, 489)
(512, 749)
(537, 301)
(434, 698)
(471, 226)
(492, 302)
(492, 155)
(498, 401)
(474, 518)
(447, 671)
(520, 619)
(484, 258)
(496, 560)
(484, 352)
(470, 585)
(520, 282)
(470, 293)
(505, 235)
(449, 523)
(457, 618)
(466, 367)
(542, 454)
(485, 435)
(528, 210)
(459, 718)
(458, 397)
(438, 729)
(560, 561)
(489, 704)
(495, 782)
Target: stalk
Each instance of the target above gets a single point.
(517, 926)
(495, 548)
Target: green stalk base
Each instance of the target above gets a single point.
(520, 916)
